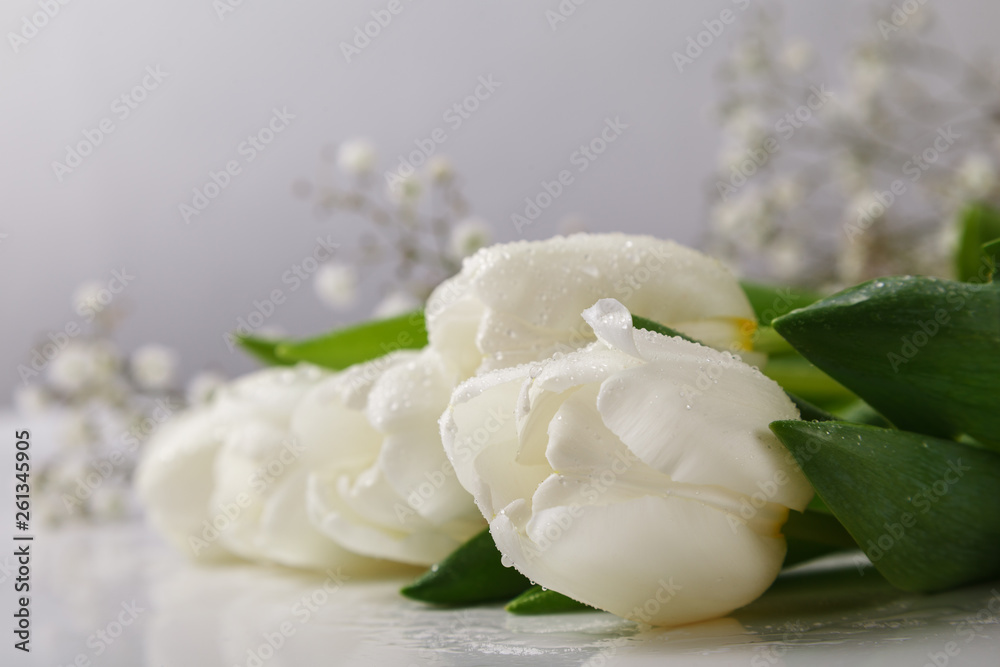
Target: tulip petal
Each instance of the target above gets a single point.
(670, 578)
(713, 411)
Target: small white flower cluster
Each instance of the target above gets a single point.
(423, 229)
(107, 404)
(831, 187)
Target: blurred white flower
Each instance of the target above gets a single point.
(90, 297)
(851, 174)
(30, 400)
(440, 169)
(108, 502)
(798, 55)
(70, 469)
(356, 157)
(976, 176)
(336, 285)
(786, 257)
(153, 366)
(76, 366)
(468, 236)
(76, 429)
(786, 192)
(750, 56)
(396, 303)
(642, 445)
(405, 190)
(745, 126)
(742, 217)
(868, 71)
(203, 387)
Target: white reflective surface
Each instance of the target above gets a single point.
(87, 580)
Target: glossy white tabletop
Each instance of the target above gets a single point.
(188, 616)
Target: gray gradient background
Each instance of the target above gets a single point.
(119, 209)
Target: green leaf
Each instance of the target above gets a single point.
(980, 224)
(810, 412)
(925, 510)
(770, 301)
(924, 352)
(798, 376)
(768, 341)
(656, 327)
(802, 551)
(818, 528)
(263, 349)
(359, 343)
(538, 600)
(472, 574)
(812, 534)
(992, 252)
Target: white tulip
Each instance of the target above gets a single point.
(229, 478)
(520, 302)
(637, 475)
(380, 483)
(313, 469)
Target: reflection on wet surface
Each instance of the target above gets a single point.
(255, 616)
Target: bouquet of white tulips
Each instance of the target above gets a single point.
(610, 422)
